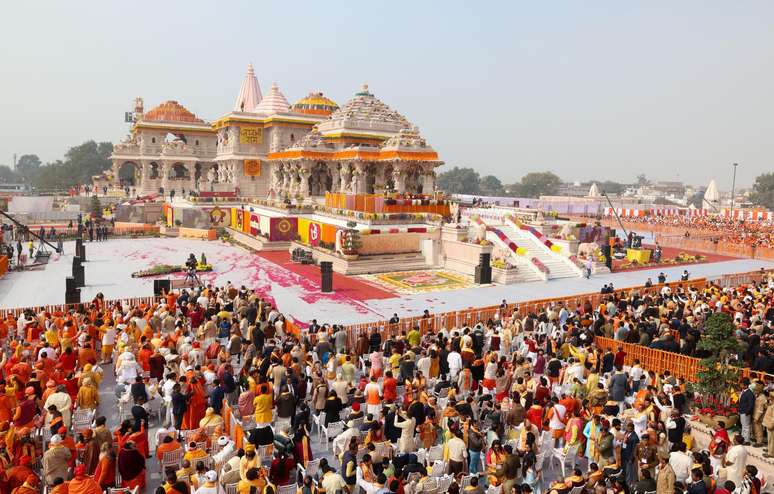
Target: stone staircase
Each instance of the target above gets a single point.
(558, 265)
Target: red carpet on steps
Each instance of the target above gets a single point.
(349, 286)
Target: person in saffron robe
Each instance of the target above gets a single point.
(29, 486)
(131, 466)
(105, 474)
(140, 438)
(196, 406)
(59, 487)
(90, 451)
(82, 483)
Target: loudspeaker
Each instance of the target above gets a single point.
(72, 293)
(159, 285)
(79, 275)
(484, 259)
(483, 275)
(76, 263)
(608, 256)
(82, 252)
(326, 276)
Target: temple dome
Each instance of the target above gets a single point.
(273, 102)
(366, 112)
(170, 111)
(315, 104)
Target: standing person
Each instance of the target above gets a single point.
(768, 423)
(761, 402)
(736, 460)
(589, 266)
(746, 408)
(665, 478)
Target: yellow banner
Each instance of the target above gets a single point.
(252, 168)
(250, 135)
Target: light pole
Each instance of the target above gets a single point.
(733, 188)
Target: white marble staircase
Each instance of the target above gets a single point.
(558, 265)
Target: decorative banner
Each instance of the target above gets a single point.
(314, 234)
(283, 229)
(252, 168)
(250, 135)
(255, 224)
(237, 217)
(217, 216)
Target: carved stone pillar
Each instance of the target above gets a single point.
(304, 170)
(359, 178)
(345, 176)
(335, 177)
(399, 177)
(428, 179)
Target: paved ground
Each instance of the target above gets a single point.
(110, 264)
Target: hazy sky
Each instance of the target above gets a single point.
(589, 90)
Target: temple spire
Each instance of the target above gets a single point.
(249, 93)
(274, 102)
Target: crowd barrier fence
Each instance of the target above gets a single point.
(134, 301)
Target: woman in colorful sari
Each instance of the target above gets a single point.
(131, 466)
(302, 449)
(494, 458)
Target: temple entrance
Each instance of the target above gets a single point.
(370, 178)
(128, 174)
(320, 180)
(179, 172)
(414, 180)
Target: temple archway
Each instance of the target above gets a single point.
(179, 172)
(370, 178)
(414, 179)
(320, 179)
(128, 174)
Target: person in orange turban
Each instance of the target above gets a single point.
(82, 483)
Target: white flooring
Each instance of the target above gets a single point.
(110, 264)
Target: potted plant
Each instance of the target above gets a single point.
(718, 373)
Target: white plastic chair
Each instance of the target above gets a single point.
(311, 469)
(465, 481)
(172, 458)
(287, 489)
(438, 469)
(332, 430)
(498, 489)
(435, 453)
(265, 453)
(444, 483)
(231, 488)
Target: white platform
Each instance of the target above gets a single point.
(110, 264)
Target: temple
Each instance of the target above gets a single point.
(267, 148)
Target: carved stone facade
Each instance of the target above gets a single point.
(275, 150)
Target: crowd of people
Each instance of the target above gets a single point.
(716, 228)
(512, 405)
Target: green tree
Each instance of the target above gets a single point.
(763, 191)
(96, 207)
(642, 179)
(8, 176)
(718, 373)
(80, 164)
(536, 184)
(459, 181)
(490, 186)
(28, 164)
